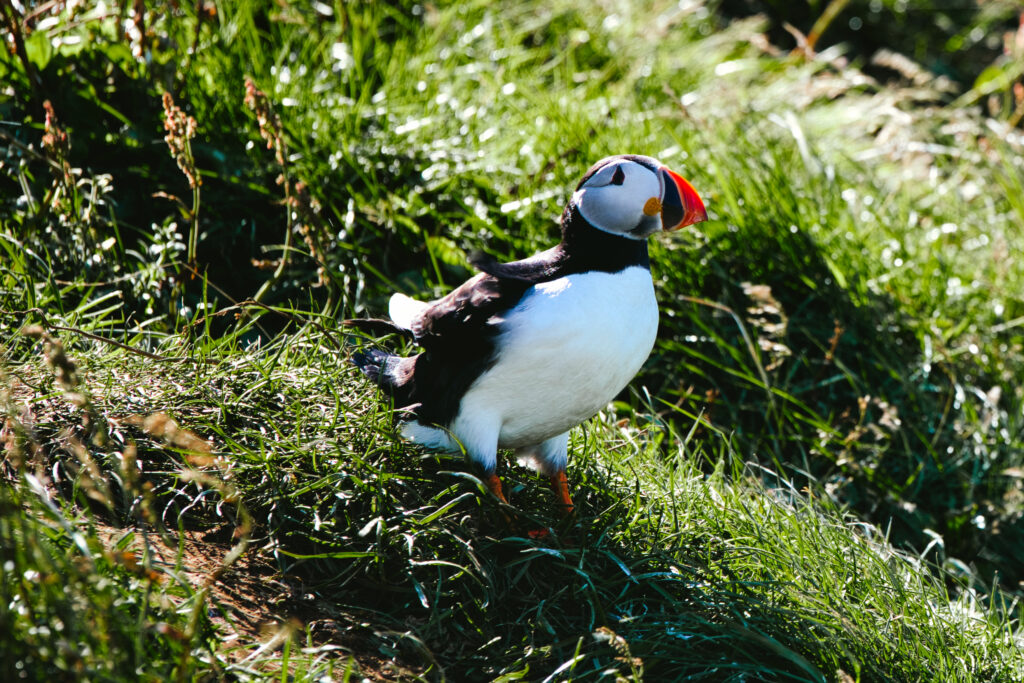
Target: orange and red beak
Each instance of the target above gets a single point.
(680, 203)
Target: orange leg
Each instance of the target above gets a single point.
(494, 486)
(561, 488)
(493, 483)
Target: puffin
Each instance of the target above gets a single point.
(522, 352)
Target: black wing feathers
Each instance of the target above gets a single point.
(463, 314)
(455, 319)
(545, 266)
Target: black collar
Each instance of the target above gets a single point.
(588, 248)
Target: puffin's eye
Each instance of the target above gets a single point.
(619, 176)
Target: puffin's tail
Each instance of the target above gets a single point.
(375, 364)
(393, 374)
(379, 366)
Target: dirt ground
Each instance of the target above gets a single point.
(255, 608)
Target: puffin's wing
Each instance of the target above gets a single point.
(542, 267)
(462, 314)
(465, 310)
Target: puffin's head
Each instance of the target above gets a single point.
(636, 196)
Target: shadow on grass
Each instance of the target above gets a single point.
(447, 583)
(418, 549)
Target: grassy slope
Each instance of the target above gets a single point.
(866, 372)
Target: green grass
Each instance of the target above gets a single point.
(817, 475)
(702, 575)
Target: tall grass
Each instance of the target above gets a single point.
(816, 476)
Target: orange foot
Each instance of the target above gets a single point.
(493, 483)
(560, 485)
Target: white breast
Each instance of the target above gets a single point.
(566, 350)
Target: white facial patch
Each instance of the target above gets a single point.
(613, 199)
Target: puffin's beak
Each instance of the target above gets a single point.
(680, 205)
